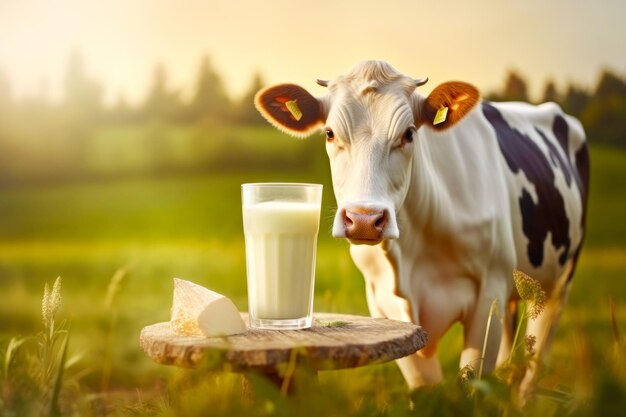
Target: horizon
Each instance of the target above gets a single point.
(121, 43)
(185, 92)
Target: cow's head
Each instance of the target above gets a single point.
(370, 117)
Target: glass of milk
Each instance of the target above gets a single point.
(281, 222)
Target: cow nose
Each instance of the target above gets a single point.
(364, 224)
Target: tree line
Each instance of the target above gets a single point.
(601, 108)
(83, 98)
(45, 140)
(40, 139)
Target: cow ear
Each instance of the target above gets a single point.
(290, 108)
(447, 104)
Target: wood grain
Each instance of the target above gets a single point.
(335, 341)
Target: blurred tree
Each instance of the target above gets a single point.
(161, 103)
(210, 99)
(83, 95)
(550, 93)
(515, 88)
(245, 112)
(610, 85)
(575, 100)
(603, 116)
(79, 114)
(161, 107)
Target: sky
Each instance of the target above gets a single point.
(121, 41)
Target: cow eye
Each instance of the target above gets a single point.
(408, 136)
(330, 135)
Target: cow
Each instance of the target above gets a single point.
(442, 197)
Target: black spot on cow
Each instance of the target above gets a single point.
(557, 159)
(581, 159)
(560, 128)
(582, 168)
(547, 215)
(580, 171)
(532, 226)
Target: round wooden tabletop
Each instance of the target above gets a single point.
(334, 341)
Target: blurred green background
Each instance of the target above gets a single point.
(127, 127)
(119, 196)
(87, 189)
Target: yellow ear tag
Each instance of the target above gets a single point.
(440, 117)
(293, 108)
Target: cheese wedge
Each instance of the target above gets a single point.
(198, 311)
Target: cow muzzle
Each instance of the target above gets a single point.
(365, 223)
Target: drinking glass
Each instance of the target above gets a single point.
(281, 224)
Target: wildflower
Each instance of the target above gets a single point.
(45, 305)
(466, 375)
(55, 296)
(530, 290)
(530, 341)
(50, 302)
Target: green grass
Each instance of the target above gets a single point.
(190, 227)
(607, 203)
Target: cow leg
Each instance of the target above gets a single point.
(419, 370)
(475, 332)
(371, 300)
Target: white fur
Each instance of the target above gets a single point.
(454, 234)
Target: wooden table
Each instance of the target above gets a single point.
(335, 341)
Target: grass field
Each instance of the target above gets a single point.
(190, 227)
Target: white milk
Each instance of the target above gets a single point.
(280, 253)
